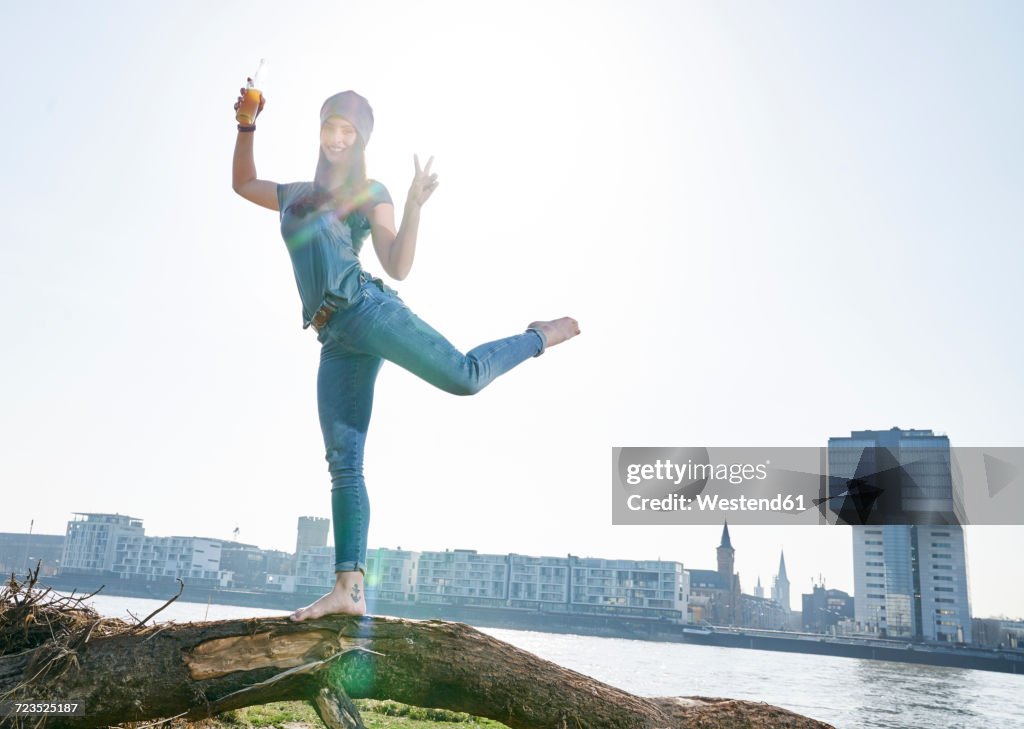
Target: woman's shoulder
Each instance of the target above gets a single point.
(298, 185)
(377, 193)
(289, 191)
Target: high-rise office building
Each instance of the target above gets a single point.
(901, 493)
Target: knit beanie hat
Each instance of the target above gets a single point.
(353, 107)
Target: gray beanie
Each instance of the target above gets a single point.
(353, 107)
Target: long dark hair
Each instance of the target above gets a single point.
(356, 170)
(345, 198)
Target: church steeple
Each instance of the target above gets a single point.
(728, 591)
(726, 542)
(726, 555)
(780, 588)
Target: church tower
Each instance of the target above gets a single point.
(780, 590)
(726, 555)
(729, 582)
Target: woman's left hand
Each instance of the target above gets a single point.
(423, 183)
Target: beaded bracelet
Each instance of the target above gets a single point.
(243, 128)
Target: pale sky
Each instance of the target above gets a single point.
(776, 223)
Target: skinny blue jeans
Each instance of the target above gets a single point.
(376, 326)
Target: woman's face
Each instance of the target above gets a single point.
(337, 137)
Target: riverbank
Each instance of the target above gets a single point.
(597, 625)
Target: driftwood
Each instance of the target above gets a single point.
(126, 672)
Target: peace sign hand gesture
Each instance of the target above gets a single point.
(423, 183)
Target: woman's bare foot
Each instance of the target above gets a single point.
(345, 599)
(557, 330)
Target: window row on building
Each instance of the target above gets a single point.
(466, 577)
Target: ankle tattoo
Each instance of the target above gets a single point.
(355, 593)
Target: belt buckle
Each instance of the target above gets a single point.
(322, 316)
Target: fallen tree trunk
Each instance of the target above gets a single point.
(196, 670)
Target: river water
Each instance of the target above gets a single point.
(849, 693)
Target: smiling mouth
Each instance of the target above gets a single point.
(337, 150)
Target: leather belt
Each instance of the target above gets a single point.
(322, 316)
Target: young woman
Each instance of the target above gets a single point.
(358, 319)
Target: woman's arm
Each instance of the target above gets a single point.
(243, 175)
(396, 250)
(243, 166)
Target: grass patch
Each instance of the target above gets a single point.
(298, 714)
(272, 715)
(418, 716)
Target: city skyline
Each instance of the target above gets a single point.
(748, 586)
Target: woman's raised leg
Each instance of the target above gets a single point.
(393, 332)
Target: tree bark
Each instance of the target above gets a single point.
(196, 670)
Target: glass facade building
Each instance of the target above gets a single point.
(909, 558)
